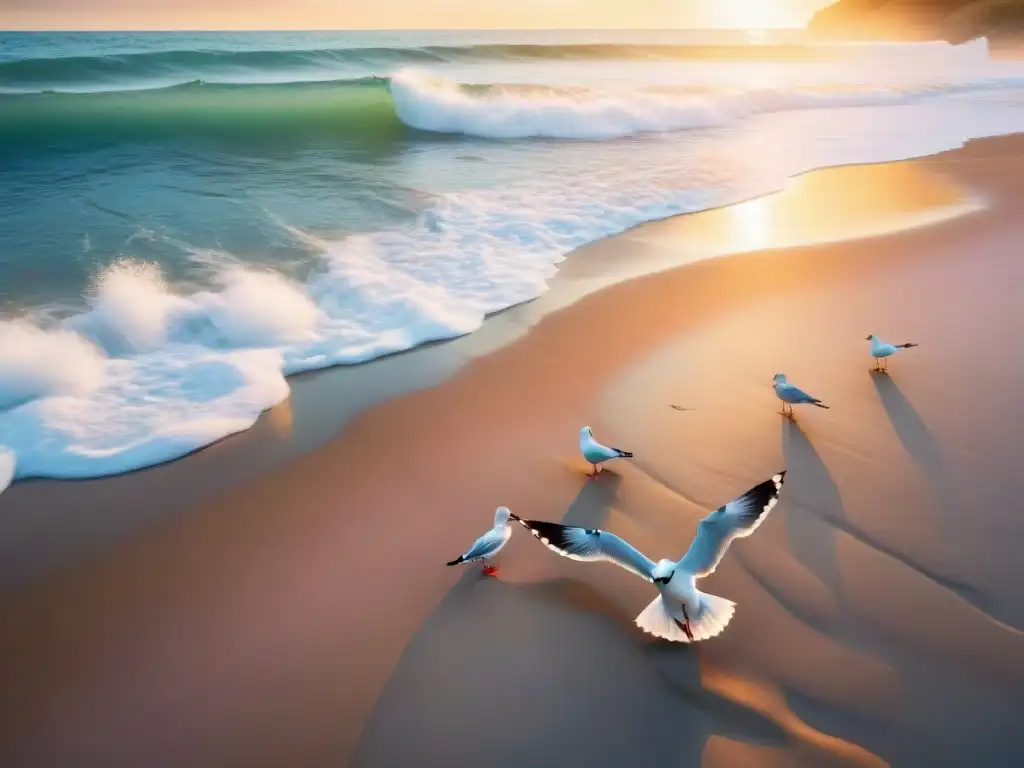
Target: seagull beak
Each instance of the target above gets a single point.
(867, 338)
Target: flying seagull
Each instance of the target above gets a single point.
(596, 453)
(791, 395)
(681, 613)
(882, 351)
(488, 545)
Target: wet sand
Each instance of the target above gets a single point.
(303, 617)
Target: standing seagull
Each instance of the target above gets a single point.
(488, 545)
(596, 453)
(882, 351)
(681, 613)
(791, 395)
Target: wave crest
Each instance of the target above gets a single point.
(37, 363)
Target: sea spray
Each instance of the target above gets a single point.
(37, 363)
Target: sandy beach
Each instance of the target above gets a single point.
(280, 599)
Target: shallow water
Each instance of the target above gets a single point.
(188, 218)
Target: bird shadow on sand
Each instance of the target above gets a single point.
(927, 452)
(592, 504)
(912, 432)
(814, 507)
(548, 673)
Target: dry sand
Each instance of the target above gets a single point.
(304, 617)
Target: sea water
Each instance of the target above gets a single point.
(186, 219)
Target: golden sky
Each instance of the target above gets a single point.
(402, 14)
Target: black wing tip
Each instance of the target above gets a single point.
(763, 496)
(908, 345)
(553, 534)
(625, 454)
(456, 561)
(819, 404)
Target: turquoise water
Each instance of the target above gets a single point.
(186, 219)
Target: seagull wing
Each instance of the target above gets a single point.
(590, 545)
(792, 394)
(600, 450)
(486, 545)
(737, 519)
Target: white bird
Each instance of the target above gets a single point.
(488, 545)
(791, 395)
(596, 453)
(681, 613)
(881, 351)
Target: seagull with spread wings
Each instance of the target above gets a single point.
(681, 613)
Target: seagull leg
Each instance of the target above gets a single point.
(685, 624)
(489, 570)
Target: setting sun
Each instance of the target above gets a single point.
(758, 14)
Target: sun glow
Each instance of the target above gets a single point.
(756, 14)
(409, 14)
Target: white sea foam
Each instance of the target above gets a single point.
(131, 308)
(7, 465)
(148, 373)
(35, 363)
(518, 112)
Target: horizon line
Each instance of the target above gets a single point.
(211, 30)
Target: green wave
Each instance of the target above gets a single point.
(359, 109)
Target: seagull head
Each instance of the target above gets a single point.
(502, 515)
(870, 338)
(779, 378)
(586, 432)
(662, 573)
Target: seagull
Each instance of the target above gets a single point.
(488, 545)
(791, 395)
(596, 453)
(881, 351)
(681, 613)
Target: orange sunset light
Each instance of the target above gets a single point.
(407, 14)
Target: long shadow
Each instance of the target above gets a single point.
(927, 452)
(545, 674)
(592, 504)
(814, 495)
(917, 440)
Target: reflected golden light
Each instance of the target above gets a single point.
(753, 223)
(280, 418)
(829, 205)
(825, 206)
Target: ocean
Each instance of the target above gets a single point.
(186, 219)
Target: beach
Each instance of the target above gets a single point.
(280, 598)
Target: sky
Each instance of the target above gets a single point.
(403, 14)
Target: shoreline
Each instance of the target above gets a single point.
(311, 416)
(304, 617)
